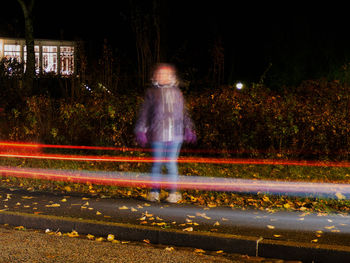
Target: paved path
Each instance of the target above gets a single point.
(287, 229)
(36, 246)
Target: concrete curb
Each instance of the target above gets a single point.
(252, 246)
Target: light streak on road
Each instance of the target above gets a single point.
(128, 179)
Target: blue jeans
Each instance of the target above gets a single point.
(169, 151)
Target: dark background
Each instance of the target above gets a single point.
(301, 41)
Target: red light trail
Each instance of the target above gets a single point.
(22, 145)
(184, 182)
(180, 160)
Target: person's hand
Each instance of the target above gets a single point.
(190, 136)
(141, 138)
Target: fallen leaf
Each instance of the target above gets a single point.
(189, 229)
(286, 205)
(219, 251)
(64, 200)
(73, 234)
(169, 249)
(85, 198)
(277, 235)
(216, 223)
(133, 209)
(329, 227)
(91, 237)
(110, 237)
(270, 227)
(98, 213)
(146, 241)
(314, 240)
(340, 196)
(123, 207)
(203, 215)
(53, 205)
(266, 198)
(27, 197)
(99, 239)
(198, 250)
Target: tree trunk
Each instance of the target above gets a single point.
(27, 8)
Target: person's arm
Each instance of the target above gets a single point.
(189, 128)
(141, 126)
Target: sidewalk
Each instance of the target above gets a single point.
(285, 235)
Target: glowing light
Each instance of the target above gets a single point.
(239, 85)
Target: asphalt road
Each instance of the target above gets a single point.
(278, 225)
(287, 235)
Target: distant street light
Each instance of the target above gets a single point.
(239, 85)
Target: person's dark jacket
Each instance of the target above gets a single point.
(163, 115)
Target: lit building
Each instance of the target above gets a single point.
(54, 56)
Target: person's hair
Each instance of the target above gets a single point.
(158, 66)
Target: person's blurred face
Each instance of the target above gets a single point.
(164, 75)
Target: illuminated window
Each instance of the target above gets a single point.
(12, 52)
(50, 55)
(36, 50)
(50, 59)
(1, 48)
(67, 60)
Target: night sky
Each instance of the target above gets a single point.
(288, 34)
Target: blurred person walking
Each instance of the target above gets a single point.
(164, 123)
